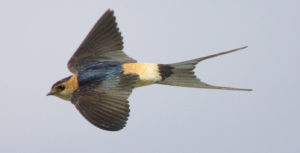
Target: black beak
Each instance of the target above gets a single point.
(50, 93)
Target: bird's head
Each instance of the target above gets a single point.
(64, 88)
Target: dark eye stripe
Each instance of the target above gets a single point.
(61, 81)
(61, 87)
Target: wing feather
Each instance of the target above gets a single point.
(103, 43)
(106, 106)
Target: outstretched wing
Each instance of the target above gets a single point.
(103, 43)
(105, 105)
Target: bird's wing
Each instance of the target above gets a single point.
(105, 105)
(103, 43)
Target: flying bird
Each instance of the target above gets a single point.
(104, 76)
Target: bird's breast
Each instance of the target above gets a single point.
(148, 73)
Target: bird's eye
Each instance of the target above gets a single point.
(61, 87)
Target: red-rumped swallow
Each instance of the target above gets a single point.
(104, 76)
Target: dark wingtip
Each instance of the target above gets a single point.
(109, 11)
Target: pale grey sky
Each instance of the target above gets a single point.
(38, 38)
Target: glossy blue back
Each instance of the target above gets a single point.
(98, 72)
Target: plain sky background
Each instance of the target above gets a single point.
(37, 38)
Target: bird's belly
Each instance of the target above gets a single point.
(148, 73)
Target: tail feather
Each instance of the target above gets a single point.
(182, 74)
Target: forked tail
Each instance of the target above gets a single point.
(182, 74)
